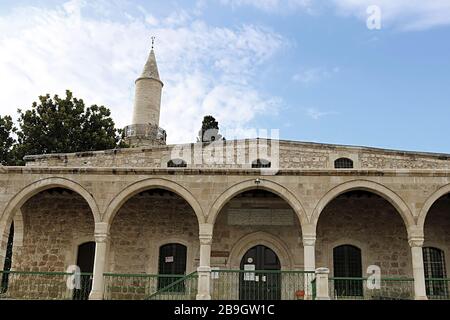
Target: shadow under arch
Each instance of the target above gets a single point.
(435, 196)
(19, 199)
(266, 185)
(370, 186)
(153, 183)
(41, 185)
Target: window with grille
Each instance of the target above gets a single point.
(261, 163)
(176, 163)
(343, 163)
(347, 264)
(172, 261)
(434, 267)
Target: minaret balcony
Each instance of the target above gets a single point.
(145, 134)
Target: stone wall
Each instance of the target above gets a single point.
(146, 222)
(54, 225)
(56, 222)
(143, 224)
(241, 153)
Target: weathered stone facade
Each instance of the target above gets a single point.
(131, 203)
(145, 223)
(110, 203)
(54, 224)
(290, 155)
(371, 224)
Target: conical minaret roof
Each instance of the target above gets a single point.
(151, 68)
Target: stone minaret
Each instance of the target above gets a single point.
(145, 129)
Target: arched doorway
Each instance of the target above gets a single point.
(85, 261)
(260, 285)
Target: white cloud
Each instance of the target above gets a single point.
(403, 14)
(205, 69)
(317, 114)
(272, 5)
(313, 75)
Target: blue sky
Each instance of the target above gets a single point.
(310, 68)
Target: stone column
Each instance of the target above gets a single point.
(416, 244)
(322, 292)
(100, 262)
(204, 270)
(309, 261)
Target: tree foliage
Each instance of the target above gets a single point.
(6, 140)
(209, 131)
(64, 125)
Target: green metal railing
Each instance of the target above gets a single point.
(225, 285)
(182, 289)
(358, 289)
(28, 285)
(261, 285)
(314, 288)
(438, 288)
(142, 286)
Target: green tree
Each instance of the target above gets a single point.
(65, 125)
(6, 140)
(209, 131)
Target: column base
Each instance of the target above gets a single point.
(96, 295)
(203, 297)
(421, 298)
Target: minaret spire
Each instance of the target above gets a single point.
(151, 67)
(147, 104)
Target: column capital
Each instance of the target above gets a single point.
(415, 232)
(205, 229)
(205, 239)
(101, 227)
(309, 240)
(205, 233)
(416, 241)
(101, 237)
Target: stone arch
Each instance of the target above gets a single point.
(148, 184)
(369, 186)
(267, 185)
(429, 203)
(34, 188)
(26, 193)
(260, 238)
